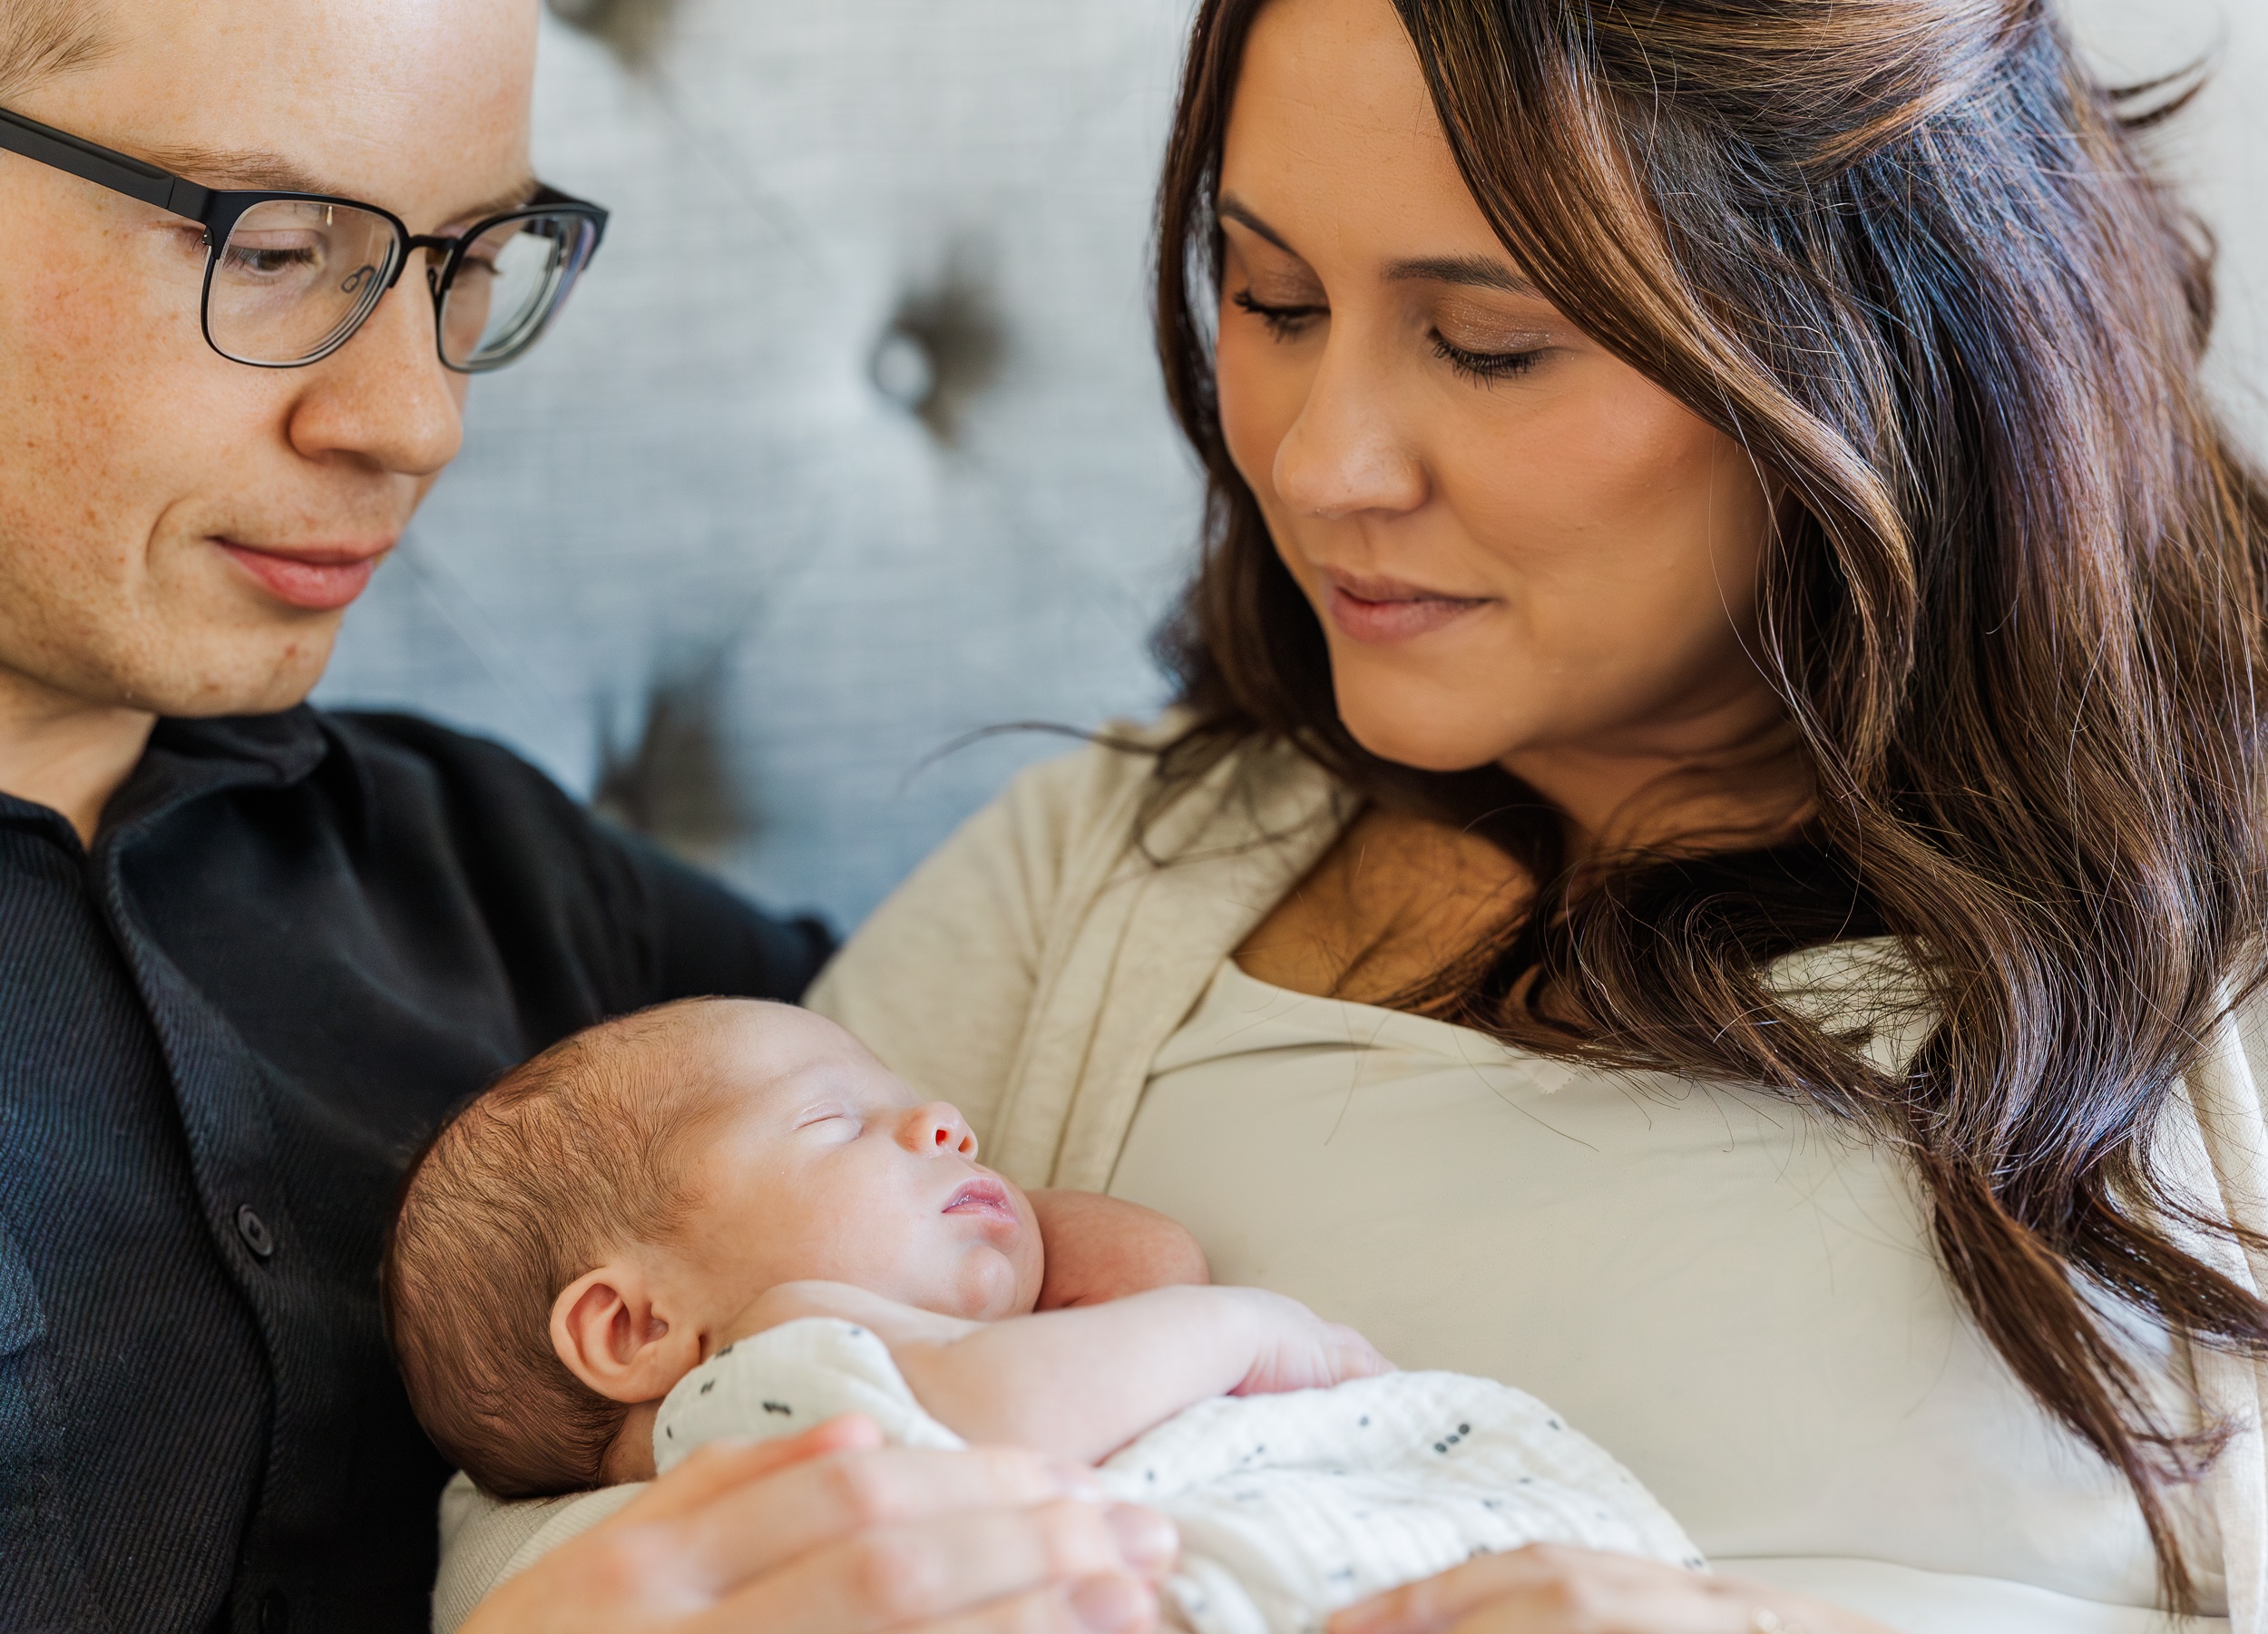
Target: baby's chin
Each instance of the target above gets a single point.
(993, 1285)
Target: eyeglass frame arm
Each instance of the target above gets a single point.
(176, 195)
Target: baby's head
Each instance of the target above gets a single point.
(569, 1242)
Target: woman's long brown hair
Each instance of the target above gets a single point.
(1908, 253)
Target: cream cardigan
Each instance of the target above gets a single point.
(1030, 971)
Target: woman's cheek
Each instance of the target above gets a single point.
(1261, 390)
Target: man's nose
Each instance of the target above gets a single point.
(938, 1128)
(384, 398)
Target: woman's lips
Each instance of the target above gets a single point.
(321, 578)
(983, 1197)
(1384, 611)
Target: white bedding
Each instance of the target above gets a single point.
(1290, 1506)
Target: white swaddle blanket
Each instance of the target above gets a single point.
(1290, 1506)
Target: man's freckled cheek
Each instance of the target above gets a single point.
(69, 423)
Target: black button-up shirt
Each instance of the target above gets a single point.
(296, 940)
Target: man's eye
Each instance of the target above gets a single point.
(261, 260)
(1283, 322)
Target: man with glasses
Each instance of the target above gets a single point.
(250, 253)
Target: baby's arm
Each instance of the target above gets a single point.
(1080, 1384)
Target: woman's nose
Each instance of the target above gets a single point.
(937, 1128)
(1345, 455)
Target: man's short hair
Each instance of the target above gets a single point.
(573, 1156)
(41, 37)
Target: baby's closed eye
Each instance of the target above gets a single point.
(833, 1122)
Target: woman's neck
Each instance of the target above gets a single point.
(65, 753)
(1726, 773)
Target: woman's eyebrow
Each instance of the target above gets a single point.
(1474, 271)
(1232, 209)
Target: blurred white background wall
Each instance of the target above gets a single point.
(852, 444)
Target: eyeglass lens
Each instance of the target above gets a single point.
(510, 282)
(296, 278)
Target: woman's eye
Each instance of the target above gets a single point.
(1283, 322)
(1483, 367)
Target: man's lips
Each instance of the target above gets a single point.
(988, 1197)
(319, 578)
(1381, 611)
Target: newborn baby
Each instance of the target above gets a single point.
(723, 1219)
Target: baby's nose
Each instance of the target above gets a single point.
(939, 1128)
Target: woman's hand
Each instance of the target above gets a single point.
(832, 1533)
(1548, 1588)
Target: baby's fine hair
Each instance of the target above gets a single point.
(577, 1153)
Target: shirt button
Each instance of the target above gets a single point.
(254, 1231)
(275, 1610)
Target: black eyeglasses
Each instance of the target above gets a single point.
(291, 277)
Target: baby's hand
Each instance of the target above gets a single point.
(1298, 1350)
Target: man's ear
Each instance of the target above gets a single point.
(612, 1331)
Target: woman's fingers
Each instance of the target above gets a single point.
(1433, 1603)
(991, 1563)
(750, 1529)
(1549, 1589)
(1552, 1590)
(719, 1467)
(1103, 1605)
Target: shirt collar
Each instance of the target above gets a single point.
(188, 760)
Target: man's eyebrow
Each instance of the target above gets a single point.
(1232, 209)
(252, 170)
(1474, 271)
(502, 203)
(241, 169)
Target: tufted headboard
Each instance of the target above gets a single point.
(852, 444)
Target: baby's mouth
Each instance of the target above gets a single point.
(982, 1196)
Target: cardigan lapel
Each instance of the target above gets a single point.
(1213, 866)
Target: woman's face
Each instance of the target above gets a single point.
(1521, 551)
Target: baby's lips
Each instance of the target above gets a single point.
(1145, 1538)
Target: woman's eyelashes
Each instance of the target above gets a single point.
(1283, 321)
(1288, 320)
(1483, 369)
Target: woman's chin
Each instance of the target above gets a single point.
(1408, 738)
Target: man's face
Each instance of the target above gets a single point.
(178, 533)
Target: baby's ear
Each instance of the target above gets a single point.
(609, 1332)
